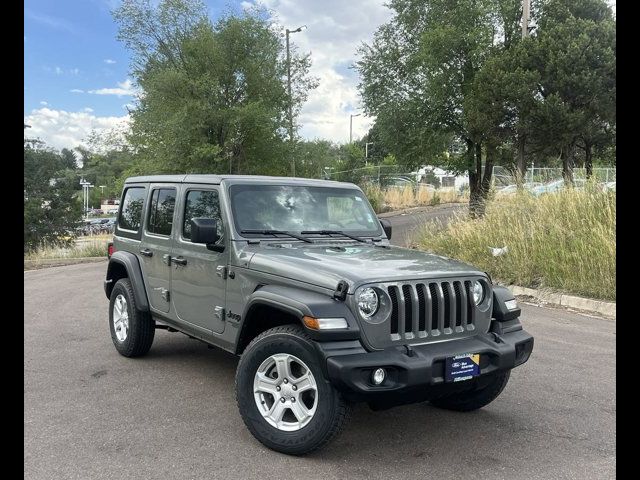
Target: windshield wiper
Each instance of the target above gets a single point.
(335, 232)
(277, 232)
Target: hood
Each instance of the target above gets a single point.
(325, 265)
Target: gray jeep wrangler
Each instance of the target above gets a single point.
(298, 278)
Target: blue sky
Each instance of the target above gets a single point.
(76, 72)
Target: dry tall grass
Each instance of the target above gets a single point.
(92, 247)
(397, 198)
(564, 241)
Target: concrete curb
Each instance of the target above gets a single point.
(59, 262)
(607, 309)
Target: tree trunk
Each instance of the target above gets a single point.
(567, 164)
(588, 160)
(476, 197)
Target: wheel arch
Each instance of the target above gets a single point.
(270, 306)
(126, 265)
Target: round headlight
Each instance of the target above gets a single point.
(478, 292)
(368, 302)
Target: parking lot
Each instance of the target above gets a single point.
(90, 413)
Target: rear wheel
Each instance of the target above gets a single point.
(282, 395)
(132, 331)
(474, 399)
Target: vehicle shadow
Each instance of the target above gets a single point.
(416, 433)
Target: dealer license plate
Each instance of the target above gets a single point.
(462, 367)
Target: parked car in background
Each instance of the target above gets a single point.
(399, 183)
(112, 211)
(425, 187)
(609, 186)
(556, 186)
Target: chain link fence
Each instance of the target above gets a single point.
(504, 177)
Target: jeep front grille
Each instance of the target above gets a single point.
(420, 310)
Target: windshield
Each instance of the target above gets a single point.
(298, 208)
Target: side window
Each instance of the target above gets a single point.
(131, 209)
(160, 220)
(205, 204)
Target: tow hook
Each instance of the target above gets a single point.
(497, 338)
(410, 352)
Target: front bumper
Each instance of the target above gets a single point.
(419, 369)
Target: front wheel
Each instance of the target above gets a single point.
(282, 395)
(474, 399)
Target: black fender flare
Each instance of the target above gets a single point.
(299, 303)
(132, 266)
(501, 312)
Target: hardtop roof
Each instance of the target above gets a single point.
(216, 179)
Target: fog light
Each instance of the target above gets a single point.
(378, 376)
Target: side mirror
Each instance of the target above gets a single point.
(204, 230)
(386, 226)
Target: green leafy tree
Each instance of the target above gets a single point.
(104, 162)
(418, 78)
(51, 209)
(213, 95)
(575, 53)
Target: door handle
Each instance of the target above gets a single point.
(146, 252)
(179, 260)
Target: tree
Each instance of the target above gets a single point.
(575, 53)
(556, 88)
(418, 78)
(213, 96)
(50, 208)
(107, 159)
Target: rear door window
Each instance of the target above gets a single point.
(160, 220)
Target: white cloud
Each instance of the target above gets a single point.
(88, 109)
(43, 103)
(109, 61)
(58, 71)
(74, 71)
(76, 90)
(334, 31)
(62, 129)
(124, 89)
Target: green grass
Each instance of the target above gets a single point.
(564, 241)
(95, 246)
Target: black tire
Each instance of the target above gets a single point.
(142, 327)
(470, 400)
(332, 411)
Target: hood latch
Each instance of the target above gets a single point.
(341, 290)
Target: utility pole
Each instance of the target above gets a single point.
(525, 17)
(366, 152)
(521, 164)
(351, 126)
(293, 159)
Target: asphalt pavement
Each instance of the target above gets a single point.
(406, 225)
(90, 413)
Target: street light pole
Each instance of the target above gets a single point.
(351, 126)
(85, 197)
(293, 159)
